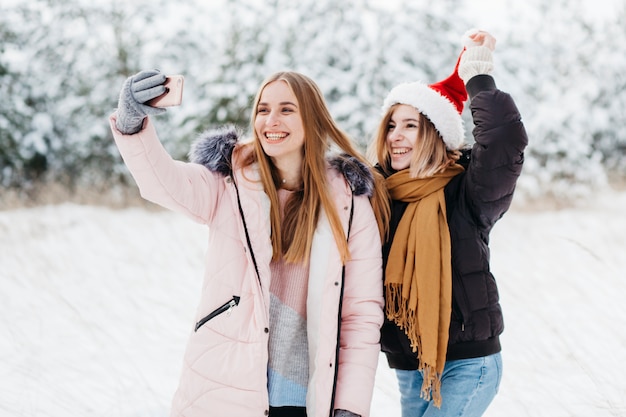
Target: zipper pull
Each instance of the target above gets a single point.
(224, 308)
(232, 303)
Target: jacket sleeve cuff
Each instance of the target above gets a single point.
(480, 83)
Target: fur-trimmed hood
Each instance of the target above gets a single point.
(214, 149)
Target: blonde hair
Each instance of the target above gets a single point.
(430, 155)
(292, 238)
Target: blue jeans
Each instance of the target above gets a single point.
(467, 388)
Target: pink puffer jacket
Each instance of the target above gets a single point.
(225, 365)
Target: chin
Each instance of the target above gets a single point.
(399, 167)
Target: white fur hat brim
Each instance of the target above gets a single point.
(437, 108)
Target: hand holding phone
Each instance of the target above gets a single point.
(173, 95)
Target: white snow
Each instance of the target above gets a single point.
(97, 304)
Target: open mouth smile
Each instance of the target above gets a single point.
(400, 151)
(275, 137)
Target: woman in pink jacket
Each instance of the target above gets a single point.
(291, 306)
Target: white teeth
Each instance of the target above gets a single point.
(275, 136)
(399, 151)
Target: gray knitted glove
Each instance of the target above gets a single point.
(136, 90)
(345, 413)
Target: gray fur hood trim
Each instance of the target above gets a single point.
(214, 149)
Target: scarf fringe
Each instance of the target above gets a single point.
(398, 311)
(431, 385)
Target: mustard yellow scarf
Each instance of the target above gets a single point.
(418, 280)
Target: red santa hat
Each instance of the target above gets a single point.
(441, 102)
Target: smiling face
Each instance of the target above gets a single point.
(402, 133)
(278, 126)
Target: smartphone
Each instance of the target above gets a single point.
(173, 95)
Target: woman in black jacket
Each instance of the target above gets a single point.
(443, 317)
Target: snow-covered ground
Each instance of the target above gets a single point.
(96, 304)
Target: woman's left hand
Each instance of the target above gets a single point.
(483, 38)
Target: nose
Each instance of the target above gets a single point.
(394, 135)
(272, 119)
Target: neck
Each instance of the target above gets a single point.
(289, 175)
(291, 181)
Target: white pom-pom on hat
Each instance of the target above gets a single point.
(466, 41)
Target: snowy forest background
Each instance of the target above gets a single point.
(97, 302)
(62, 64)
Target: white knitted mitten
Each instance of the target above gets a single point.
(475, 60)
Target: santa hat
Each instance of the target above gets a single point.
(441, 103)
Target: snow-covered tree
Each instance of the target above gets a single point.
(545, 63)
(18, 162)
(62, 65)
(606, 112)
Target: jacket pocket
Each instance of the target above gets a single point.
(224, 308)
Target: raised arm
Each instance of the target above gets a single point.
(498, 153)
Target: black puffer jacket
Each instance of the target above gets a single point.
(475, 200)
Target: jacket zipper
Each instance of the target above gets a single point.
(226, 307)
(457, 310)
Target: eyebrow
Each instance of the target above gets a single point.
(282, 103)
(407, 120)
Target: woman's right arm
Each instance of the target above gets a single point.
(187, 188)
(180, 186)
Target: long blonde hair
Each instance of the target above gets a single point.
(292, 239)
(430, 154)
